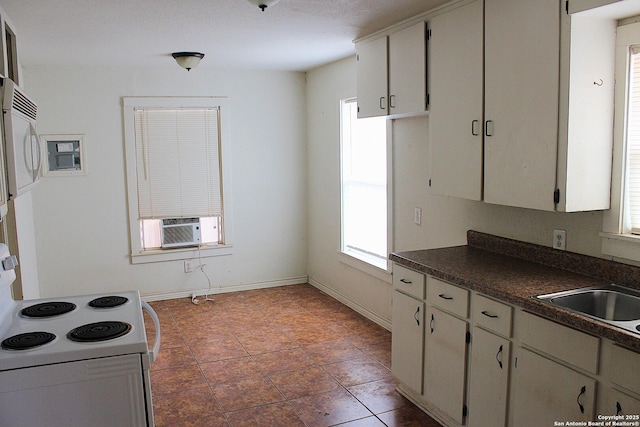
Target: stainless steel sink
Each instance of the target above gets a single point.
(614, 304)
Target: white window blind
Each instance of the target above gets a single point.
(632, 185)
(178, 162)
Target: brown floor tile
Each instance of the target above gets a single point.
(211, 351)
(173, 356)
(358, 371)
(274, 415)
(177, 379)
(174, 409)
(409, 416)
(285, 360)
(330, 408)
(333, 351)
(257, 343)
(363, 422)
(246, 393)
(379, 396)
(230, 370)
(303, 382)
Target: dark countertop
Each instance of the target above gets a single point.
(512, 271)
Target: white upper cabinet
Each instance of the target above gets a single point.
(372, 78)
(522, 64)
(545, 140)
(456, 102)
(408, 70)
(391, 73)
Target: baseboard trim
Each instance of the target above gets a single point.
(351, 304)
(227, 289)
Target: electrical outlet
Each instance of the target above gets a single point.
(560, 239)
(188, 266)
(417, 216)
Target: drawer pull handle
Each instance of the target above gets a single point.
(415, 316)
(618, 408)
(447, 297)
(493, 316)
(583, 390)
(382, 103)
(499, 357)
(406, 282)
(431, 323)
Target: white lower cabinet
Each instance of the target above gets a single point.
(445, 362)
(546, 391)
(488, 379)
(619, 403)
(407, 340)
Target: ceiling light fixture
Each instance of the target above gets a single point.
(263, 4)
(187, 60)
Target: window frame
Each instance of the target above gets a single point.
(352, 258)
(137, 253)
(615, 241)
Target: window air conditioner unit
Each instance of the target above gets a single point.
(180, 232)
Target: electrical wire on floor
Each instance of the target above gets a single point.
(194, 297)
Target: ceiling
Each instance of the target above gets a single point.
(294, 35)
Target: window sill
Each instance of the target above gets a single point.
(161, 255)
(625, 246)
(365, 265)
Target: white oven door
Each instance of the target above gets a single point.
(102, 392)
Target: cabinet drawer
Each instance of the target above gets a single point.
(569, 345)
(448, 297)
(624, 368)
(492, 315)
(408, 281)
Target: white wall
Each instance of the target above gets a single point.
(445, 220)
(81, 225)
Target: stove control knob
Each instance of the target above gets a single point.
(10, 263)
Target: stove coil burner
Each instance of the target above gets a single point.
(27, 340)
(48, 309)
(99, 331)
(108, 301)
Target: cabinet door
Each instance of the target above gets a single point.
(445, 362)
(408, 70)
(488, 379)
(371, 75)
(456, 102)
(619, 403)
(545, 391)
(522, 63)
(407, 340)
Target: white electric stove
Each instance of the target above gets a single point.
(74, 361)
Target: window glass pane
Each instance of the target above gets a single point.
(364, 185)
(632, 184)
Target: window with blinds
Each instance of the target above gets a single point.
(632, 163)
(178, 163)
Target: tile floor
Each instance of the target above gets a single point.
(287, 356)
